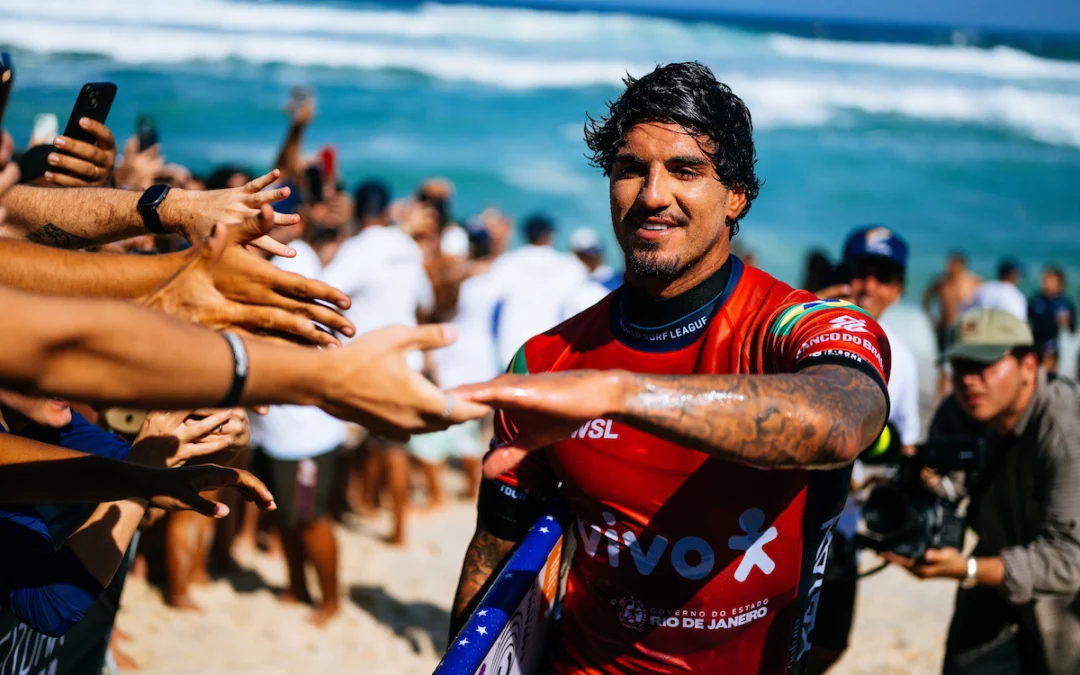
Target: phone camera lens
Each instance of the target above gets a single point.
(93, 100)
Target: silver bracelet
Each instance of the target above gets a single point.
(971, 580)
(240, 370)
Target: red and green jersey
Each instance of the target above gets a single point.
(684, 562)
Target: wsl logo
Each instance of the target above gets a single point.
(599, 428)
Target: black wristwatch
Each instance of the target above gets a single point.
(148, 208)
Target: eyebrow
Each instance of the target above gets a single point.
(682, 160)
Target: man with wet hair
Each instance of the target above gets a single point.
(662, 414)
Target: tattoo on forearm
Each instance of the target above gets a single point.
(818, 418)
(51, 235)
(484, 557)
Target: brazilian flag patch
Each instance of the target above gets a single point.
(790, 317)
(518, 366)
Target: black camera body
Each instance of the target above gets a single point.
(904, 517)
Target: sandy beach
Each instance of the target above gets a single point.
(397, 610)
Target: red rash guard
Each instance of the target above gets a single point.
(686, 562)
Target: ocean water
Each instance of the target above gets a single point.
(954, 146)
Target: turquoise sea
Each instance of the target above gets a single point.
(953, 145)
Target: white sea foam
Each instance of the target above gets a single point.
(174, 45)
(430, 20)
(425, 41)
(1045, 116)
(997, 62)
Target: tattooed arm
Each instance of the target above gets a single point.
(71, 217)
(82, 217)
(483, 559)
(820, 417)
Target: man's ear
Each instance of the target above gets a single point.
(736, 203)
(1029, 365)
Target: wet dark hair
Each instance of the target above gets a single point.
(687, 94)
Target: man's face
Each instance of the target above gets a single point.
(875, 285)
(985, 391)
(48, 412)
(668, 208)
(1051, 284)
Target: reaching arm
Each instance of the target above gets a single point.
(82, 217)
(114, 353)
(821, 417)
(483, 559)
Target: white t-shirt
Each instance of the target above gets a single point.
(1001, 295)
(536, 283)
(1068, 346)
(583, 297)
(903, 389)
(295, 432)
(472, 357)
(382, 270)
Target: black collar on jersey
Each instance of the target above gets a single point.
(668, 324)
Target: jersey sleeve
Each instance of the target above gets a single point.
(828, 332)
(511, 503)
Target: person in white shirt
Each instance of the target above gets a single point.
(536, 283)
(470, 359)
(296, 453)
(876, 260)
(602, 279)
(1003, 293)
(382, 270)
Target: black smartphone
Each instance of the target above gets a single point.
(95, 100)
(7, 79)
(147, 132)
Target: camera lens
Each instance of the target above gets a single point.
(93, 100)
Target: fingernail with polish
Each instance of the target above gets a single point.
(48, 175)
(59, 141)
(53, 158)
(84, 122)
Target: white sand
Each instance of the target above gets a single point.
(396, 612)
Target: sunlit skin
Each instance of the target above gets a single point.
(995, 394)
(1051, 284)
(661, 177)
(20, 410)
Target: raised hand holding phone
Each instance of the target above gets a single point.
(85, 154)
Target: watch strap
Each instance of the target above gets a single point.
(148, 208)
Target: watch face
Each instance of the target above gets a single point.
(153, 196)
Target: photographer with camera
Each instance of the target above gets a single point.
(1017, 609)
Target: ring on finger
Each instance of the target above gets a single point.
(448, 409)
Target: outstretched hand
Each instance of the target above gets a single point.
(242, 276)
(190, 294)
(195, 213)
(544, 408)
(371, 383)
(178, 489)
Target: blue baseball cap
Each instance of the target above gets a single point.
(876, 241)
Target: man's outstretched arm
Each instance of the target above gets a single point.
(820, 417)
